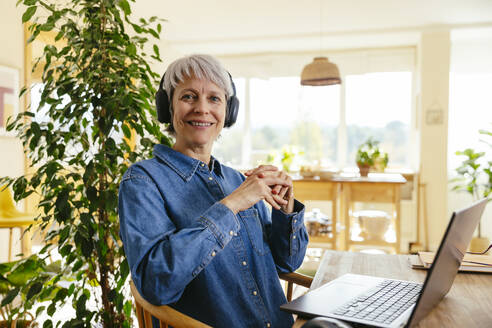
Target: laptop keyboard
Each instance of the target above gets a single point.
(384, 303)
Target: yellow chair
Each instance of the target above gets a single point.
(12, 218)
(169, 316)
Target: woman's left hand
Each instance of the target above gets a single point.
(286, 192)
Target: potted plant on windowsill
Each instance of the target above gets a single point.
(369, 156)
(287, 157)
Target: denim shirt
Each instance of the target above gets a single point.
(189, 251)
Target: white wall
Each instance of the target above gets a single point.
(12, 55)
(433, 93)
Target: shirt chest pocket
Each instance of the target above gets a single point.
(254, 229)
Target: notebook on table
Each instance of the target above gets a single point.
(381, 302)
(470, 263)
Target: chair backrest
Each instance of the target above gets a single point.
(7, 204)
(165, 314)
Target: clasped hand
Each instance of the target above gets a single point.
(267, 183)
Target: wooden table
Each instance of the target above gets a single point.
(376, 188)
(348, 189)
(325, 190)
(468, 303)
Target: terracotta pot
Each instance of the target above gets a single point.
(16, 324)
(363, 169)
(19, 323)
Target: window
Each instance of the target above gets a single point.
(470, 109)
(379, 105)
(280, 112)
(285, 113)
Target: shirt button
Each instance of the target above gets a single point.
(213, 253)
(255, 293)
(202, 165)
(268, 324)
(231, 233)
(210, 178)
(295, 221)
(294, 237)
(244, 263)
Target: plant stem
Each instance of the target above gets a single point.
(108, 320)
(4, 315)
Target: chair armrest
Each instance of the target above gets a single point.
(297, 278)
(165, 314)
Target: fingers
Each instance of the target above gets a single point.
(274, 185)
(277, 189)
(275, 201)
(284, 193)
(261, 168)
(274, 181)
(280, 183)
(275, 178)
(267, 179)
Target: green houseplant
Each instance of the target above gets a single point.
(8, 284)
(17, 278)
(474, 177)
(97, 89)
(8, 314)
(370, 156)
(286, 157)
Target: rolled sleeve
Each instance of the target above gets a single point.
(288, 238)
(295, 219)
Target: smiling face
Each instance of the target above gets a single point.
(199, 108)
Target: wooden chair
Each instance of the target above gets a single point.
(169, 316)
(12, 218)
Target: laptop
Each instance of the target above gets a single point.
(379, 302)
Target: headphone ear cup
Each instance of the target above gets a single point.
(232, 106)
(232, 111)
(162, 106)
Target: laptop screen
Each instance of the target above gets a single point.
(447, 260)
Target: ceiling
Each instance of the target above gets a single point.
(256, 26)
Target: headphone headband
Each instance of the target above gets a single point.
(163, 105)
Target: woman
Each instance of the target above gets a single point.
(196, 233)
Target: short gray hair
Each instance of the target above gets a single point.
(200, 66)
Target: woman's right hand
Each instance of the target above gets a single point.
(256, 187)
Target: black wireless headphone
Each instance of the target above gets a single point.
(164, 107)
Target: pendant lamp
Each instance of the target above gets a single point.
(320, 72)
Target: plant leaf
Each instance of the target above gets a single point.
(125, 6)
(35, 289)
(29, 13)
(10, 296)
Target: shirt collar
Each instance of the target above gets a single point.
(183, 165)
(216, 166)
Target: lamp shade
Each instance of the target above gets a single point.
(320, 72)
